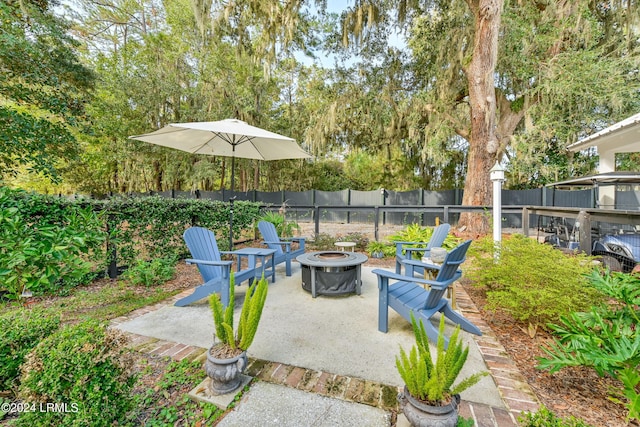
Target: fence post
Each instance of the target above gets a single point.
(445, 214)
(376, 224)
(112, 269)
(525, 222)
(584, 231)
(316, 212)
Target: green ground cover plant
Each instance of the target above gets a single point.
(545, 418)
(20, 331)
(605, 338)
(154, 405)
(532, 282)
(87, 369)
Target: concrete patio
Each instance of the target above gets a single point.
(330, 346)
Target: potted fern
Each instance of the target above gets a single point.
(429, 397)
(227, 358)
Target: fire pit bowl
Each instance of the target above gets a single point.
(331, 272)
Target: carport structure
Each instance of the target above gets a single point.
(622, 137)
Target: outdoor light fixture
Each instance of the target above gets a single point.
(497, 176)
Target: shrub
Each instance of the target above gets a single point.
(606, 338)
(149, 273)
(45, 249)
(358, 238)
(20, 332)
(86, 369)
(324, 242)
(546, 418)
(532, 282)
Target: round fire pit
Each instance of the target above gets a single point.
(331, 272)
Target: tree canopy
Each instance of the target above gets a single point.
(44, 88)
(471, 82)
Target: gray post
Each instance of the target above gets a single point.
(584, 231)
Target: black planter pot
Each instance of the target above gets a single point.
(225, 373)
(421, 414)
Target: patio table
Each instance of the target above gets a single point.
(257, 259)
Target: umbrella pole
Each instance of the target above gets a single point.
(231, 199)
(233, 167)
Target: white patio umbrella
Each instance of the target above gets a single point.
(230, 138)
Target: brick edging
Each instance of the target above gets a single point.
(514, 389)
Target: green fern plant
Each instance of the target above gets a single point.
(429, 381)
(417, 233)
(250, 315)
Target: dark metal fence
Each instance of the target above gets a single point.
(404, 207)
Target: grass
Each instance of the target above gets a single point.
(104, 301)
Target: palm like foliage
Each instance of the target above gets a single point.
(429, 381)
(249, 316)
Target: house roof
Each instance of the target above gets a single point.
(622, 137)
(610, 178)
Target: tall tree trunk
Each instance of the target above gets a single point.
(483, 144)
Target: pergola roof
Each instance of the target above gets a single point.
(622, 137)
(609, 178)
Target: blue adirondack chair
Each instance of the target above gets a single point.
(405, 250)
(214, 271)
(284, 252)
(408, 295)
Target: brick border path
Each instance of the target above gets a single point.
(513, 388)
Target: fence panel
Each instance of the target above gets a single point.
(299, 198)
(521, 198)
(332, 198)
(363, 198)
(627, 197)
(270, 197)
(403, 198)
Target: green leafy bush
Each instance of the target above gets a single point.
(532, 282)
(21, 331)
(84, 367)
(45, 249)
(323, 242)
(150, 273)
(606, 338)
(358, 238)
(546, 418)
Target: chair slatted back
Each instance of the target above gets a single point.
(269, 234)
(447, 272)
(439, 235)
(202, 245)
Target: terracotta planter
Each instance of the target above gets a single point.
(225, 373)
(421, 414)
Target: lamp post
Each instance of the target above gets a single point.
(497, 177)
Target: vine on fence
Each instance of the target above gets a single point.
(49, 243)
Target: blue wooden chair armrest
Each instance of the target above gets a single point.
(433, 283)
(286, 245)
(208, 262)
